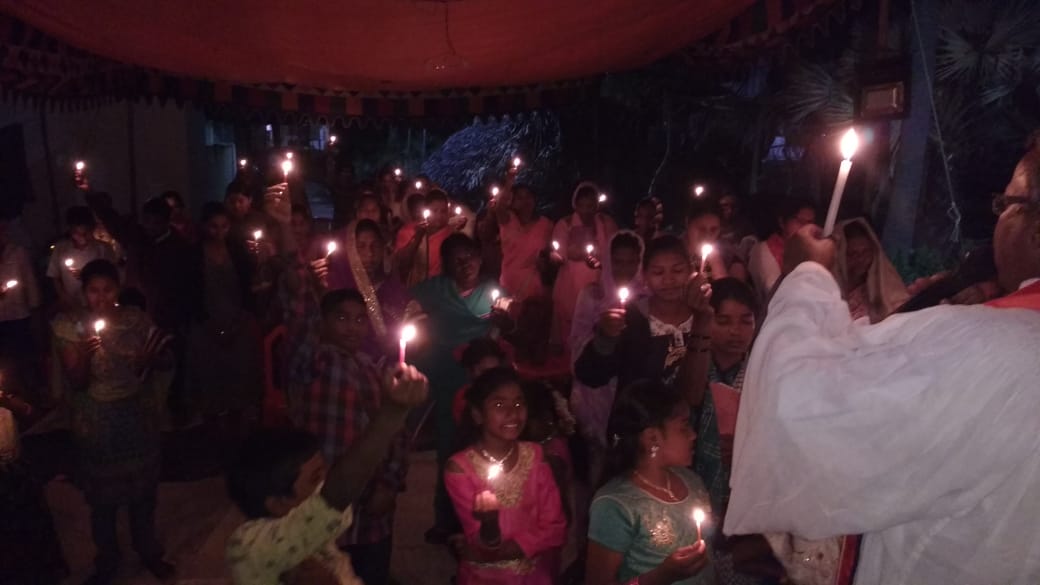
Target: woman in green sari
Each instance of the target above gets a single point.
(460, 307)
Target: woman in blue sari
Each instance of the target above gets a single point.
(460, 307)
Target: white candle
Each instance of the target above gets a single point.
(69, 262)
(849, 144)
(330, 247)
(287, 167)
(589, 248)
(242, 163)
(517, 162)
(622, 294)
(706, 251)
(10, 284)
(495, 191)
(495, 293)
(397, 173)
(408, 333)
(99, 326)
(418, 184)
(332, 139)
(458, 210)
(698, 519)
(426, 214)
(556, 246)
(80, 166)
(698, 190)
(257, 234)
(602, 197)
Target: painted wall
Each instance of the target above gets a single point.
(173, 149)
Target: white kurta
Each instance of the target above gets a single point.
(919, 432)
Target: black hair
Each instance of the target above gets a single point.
(436, 195)
(157, 207)
(699, 208)
(517, 187)
(414, 200)
(650, 202)
(334, 298)
(641, 405)
(235, 187)
(540, 401)
(480, 348)
(212, 209)
(625, 240)
(789, 207)
(99, 268)
(485, 385)
(733, 289)
(175, 196)
(80, 216)
(132, 297)
(586, 192)
(454, 243)
(367, 225)
(663, 244)
(268, 464)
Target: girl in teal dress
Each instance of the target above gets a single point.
(641, 524)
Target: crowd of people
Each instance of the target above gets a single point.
(577, 380)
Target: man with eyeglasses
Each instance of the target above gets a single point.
(334, 394)
(919, 432)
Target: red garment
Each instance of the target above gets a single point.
(776, 247)
(458, 405)
(1026, 298)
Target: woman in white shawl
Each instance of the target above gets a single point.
(587, 226)
(868, 280)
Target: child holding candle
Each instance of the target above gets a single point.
(504, 492)
(72, 253)
(642, 528)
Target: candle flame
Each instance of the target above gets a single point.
(426, 214)
(408, 333)
(333, 139)
(698, 516)
(589, 248)
(287, 167)
(849, 144)
(556, 246)
(257, 234)
(418, 184)
(69, 262)
(289, 155)
(706, 251)
(10, 284)
(80, 165)
(397, 172)
(331, 247)
(99, 326)
(602, 197)
(517, 162)
(242, 163)
(495, 191)
(622, 294)
(698, 190)
(494, 470)
(458, 210)
(495, 293)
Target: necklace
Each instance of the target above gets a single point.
(494, 461)
(667, 488)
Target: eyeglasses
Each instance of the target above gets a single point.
(1001, 202)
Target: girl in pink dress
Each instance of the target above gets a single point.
(574, 233)
(504, 492)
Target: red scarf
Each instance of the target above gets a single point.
(1026, 298)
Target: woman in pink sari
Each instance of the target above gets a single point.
(574, 233)
(524, 235)
(504, 492)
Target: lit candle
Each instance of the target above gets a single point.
(257, 234)
(517, 162)
(849, 144)
(698, 190)
(68, 263)
(10, 284)
(286, 169)
(332, 139)
(99, 326)
(706, 251)
(495, 191)
(289, 155)
(698, 519)
(80, 166)
(418, 184)
(398, 172)
(589, 248)
(602, 197)
(495, 293)
(408, 334)
(622, 294)
(330, 247)
(494, 470)
(426, 215)
(458, 210)
(242, 163)
(556, 246)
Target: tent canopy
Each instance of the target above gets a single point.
(380, 45)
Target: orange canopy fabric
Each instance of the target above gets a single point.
(380, 45)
